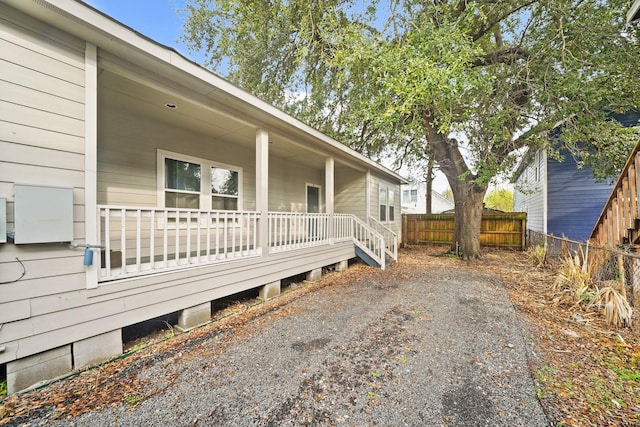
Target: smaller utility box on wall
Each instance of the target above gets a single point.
(43, 214)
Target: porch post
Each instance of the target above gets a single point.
(329, 181)
(262, 188)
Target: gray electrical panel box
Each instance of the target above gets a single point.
(3, 220)
(43, 214)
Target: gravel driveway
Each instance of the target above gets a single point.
(409, 346)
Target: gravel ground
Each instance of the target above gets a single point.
(408, 346)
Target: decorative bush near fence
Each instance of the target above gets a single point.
(607, 279)
(504, 230)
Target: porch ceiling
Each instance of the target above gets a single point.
(149, 102)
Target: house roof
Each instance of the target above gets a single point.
(634, 13)
(126, 44)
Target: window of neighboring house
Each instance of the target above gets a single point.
(382, 198)
(414, 195)
(193, 183)
(536, 167)
(392, 213)
(540, 164)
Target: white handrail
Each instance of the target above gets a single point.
(369, 240)
(390, 237)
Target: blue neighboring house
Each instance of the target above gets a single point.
(559, 198)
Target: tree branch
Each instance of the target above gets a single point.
(503, 56)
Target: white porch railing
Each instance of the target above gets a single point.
(288, 230)
(390, 237)
(143, 240)
(369, 240)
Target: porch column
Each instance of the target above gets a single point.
(262, 188)
(329, 182)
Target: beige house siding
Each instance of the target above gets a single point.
(287, 186)
(41, 142)
(374, 189)
(351, 192)
(127, 157)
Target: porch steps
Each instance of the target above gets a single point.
(370, 261)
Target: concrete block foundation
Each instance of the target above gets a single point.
(342, 265)
(270, 290)
(28, 371)
(94, 350)
(194, 316)
(314, 275)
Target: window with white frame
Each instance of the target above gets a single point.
(410, 196)
(392, 214)
(382, 201)
(188, 182)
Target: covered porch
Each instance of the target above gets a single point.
(189, 177)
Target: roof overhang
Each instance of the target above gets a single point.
(634, 13)
(87, 23)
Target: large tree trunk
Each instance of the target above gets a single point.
(468, 198)
(468, 195)
(428, 176)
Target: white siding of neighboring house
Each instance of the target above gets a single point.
(529, 194)
(439, 203)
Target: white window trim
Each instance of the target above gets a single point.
(387, 189)
(205, 179)
(386, 203)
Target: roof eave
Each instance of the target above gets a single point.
(634, 13)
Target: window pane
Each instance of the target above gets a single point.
(224, 181)
(224, 203)
(383, 196)
(181, 175)
(391, 198)
(181, 200)
(392, 215)
(383, 213)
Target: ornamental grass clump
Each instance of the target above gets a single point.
(572, 284)
(612, 300)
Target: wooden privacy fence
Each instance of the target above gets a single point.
(505, 230)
